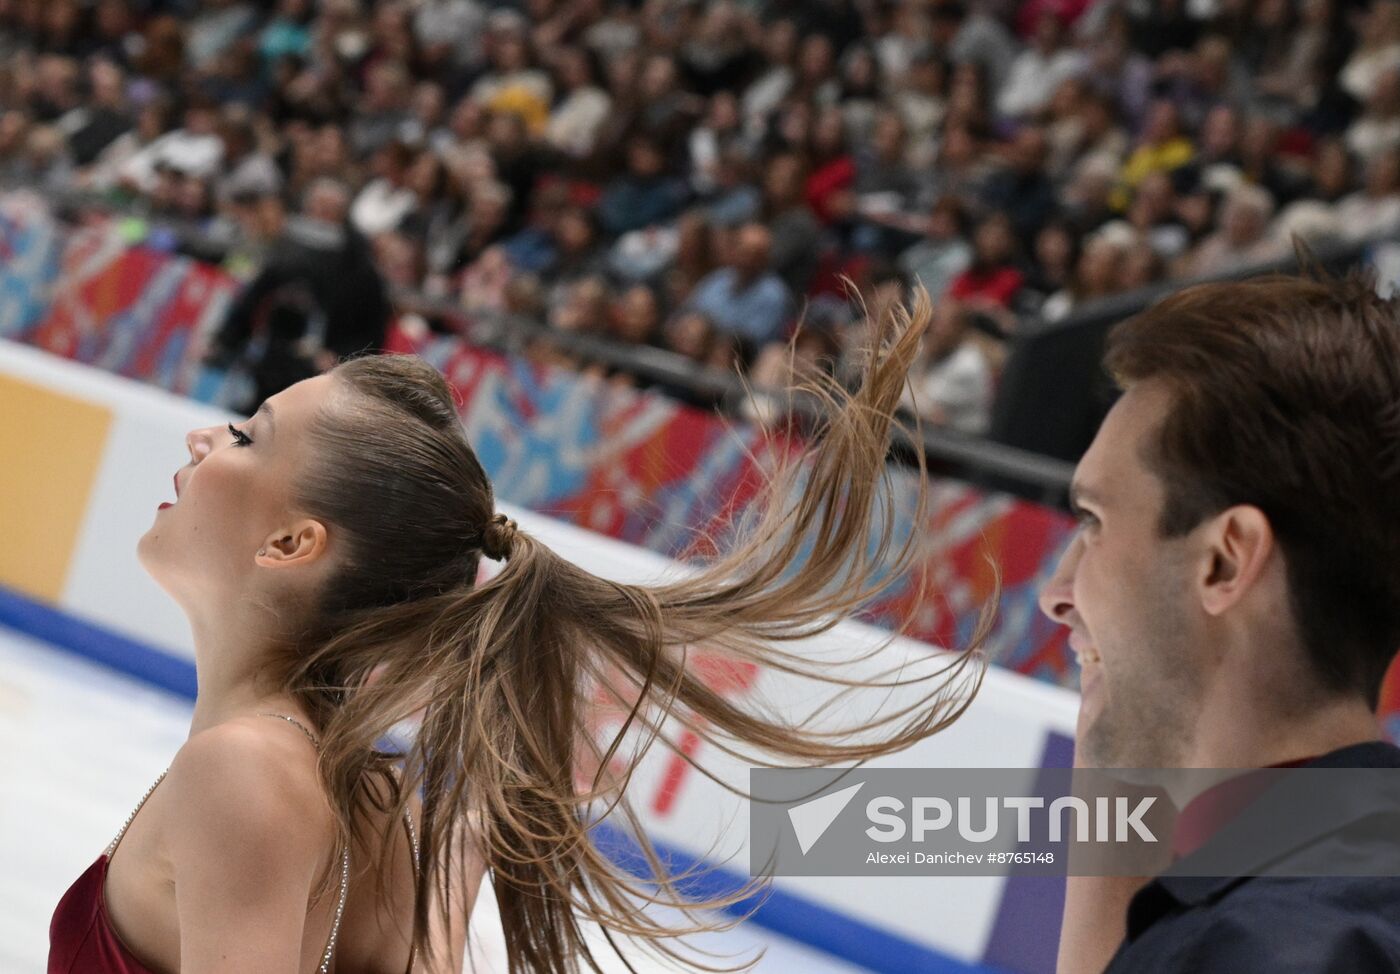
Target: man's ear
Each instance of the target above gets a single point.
(1239, 544)
(302, 543)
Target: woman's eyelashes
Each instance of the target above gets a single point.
(240, 438)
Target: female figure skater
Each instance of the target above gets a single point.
(326, 553)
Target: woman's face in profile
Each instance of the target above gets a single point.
(234, 497)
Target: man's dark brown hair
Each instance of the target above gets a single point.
(1287, 397)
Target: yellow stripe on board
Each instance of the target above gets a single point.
(50, 448)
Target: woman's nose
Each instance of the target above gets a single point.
(197, 442)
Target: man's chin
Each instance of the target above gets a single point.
(1100, 741)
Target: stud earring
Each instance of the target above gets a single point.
(262, 551)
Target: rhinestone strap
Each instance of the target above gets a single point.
(299, 726)
(339, 909)
(112, 847)
(413, 840)
(412, 837)
(344, 859)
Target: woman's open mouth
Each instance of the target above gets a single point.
(165, 504)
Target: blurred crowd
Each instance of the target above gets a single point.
(698, 175)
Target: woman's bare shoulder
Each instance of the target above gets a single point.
(253, 781)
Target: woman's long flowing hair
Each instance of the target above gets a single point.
(502, 675)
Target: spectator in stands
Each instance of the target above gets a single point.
(1040, 68)
(779, 366)
(1377, 130)
(14, 130)
(1262, 162)
(318, 296)
(488, 213)
(450, 36)
(761, 96)
(514, 84)
(42, 159)
(795, 230)
(1207, 75)
(1241, 240)
(944, 253)
(832, 171)
(1142, 267)
(1373, 210)
(951, 384)
(719, 131)
(1161, 148)
(746, 298)
(1330, 175)
(577, 118)
(381, 117)
(1056, 254)
(921, 98)
(1219, 143)
(646, 194)
(95, 125)
(1196, 207)
(636, 316)
(1022, 188)
(246, 170)
(387, 199)
(1152, 214)
(194, 150)
(884, 182)
(690, 334)
(695, 257)
(56, 91)
(113, 36)
(582, 306)
(994, 276)
(1096, 274)
(860, 87)
(963, 168)
(733, 196)
(1377, 50)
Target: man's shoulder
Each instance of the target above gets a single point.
(1317, 925)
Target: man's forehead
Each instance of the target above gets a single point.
(1113, 463)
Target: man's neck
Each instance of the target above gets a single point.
(1243, 739)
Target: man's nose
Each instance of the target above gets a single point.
(1057, 597)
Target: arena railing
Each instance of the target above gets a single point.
(1053, 390)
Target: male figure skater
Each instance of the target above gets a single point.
(1233, 596)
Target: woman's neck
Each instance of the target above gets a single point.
(210, 710)
(233, 678)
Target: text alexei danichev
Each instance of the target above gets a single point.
(937, 858)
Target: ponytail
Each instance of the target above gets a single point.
(502, 672)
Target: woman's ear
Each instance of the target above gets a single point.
(300, 544)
